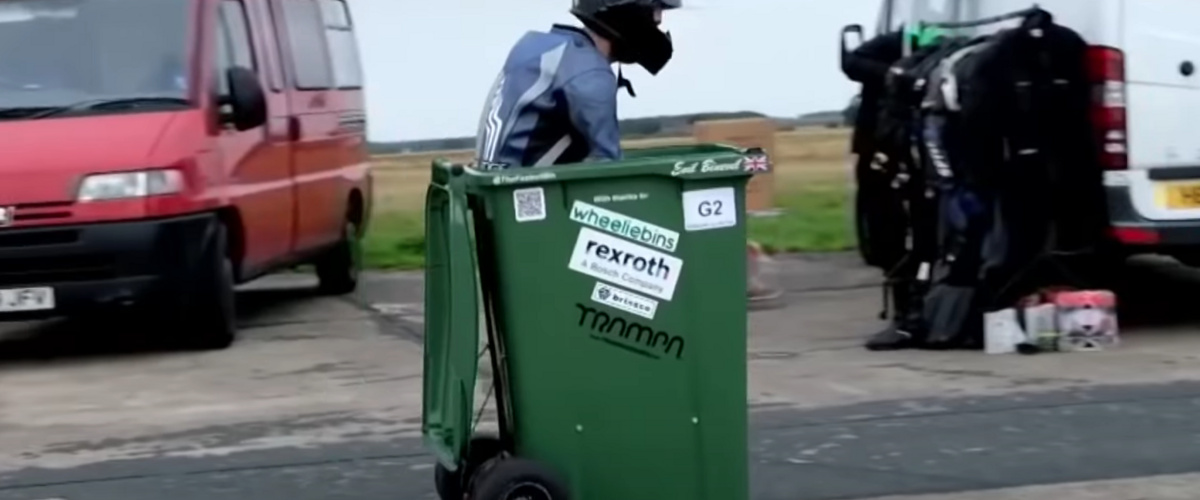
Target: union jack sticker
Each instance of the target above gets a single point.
(757, 163)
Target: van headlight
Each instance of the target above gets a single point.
(139, 184)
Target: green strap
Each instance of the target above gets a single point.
(924, 36)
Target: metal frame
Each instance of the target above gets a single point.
(988, 20)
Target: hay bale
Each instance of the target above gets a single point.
(746, 133)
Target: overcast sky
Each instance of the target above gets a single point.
(429, 63)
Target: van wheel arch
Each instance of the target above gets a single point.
(236, 238)
(339, 267)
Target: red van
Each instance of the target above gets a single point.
(155, 153)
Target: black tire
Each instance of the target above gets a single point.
(518, 479)
(338, 269)
(450, 485)
(208, 316)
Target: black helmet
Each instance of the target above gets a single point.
(630, 26)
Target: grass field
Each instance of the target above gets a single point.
(811, 188)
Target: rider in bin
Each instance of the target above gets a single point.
(555, 100)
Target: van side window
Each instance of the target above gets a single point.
(272, 63)
(306, 45)
(343, 50)
(233, 43)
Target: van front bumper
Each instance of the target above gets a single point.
(98, 265)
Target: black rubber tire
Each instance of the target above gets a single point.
(339, 268)
(208, 316)
(450, 484)
(518, 479)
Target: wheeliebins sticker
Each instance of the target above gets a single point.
(625, 226)
(623, 263)
(622, 300)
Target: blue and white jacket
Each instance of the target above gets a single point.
(554, 102)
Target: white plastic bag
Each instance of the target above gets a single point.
(1041, 325)
(1002, 332)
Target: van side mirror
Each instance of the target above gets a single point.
(852, 37)
(247, 99)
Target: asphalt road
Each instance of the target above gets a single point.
(321, 399)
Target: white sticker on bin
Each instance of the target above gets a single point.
(709, 209)
(529, 204)
(623, 263)
(622, 225)
(622, 300)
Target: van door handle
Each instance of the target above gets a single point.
(294, 132)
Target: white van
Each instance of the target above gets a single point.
(1144, 59)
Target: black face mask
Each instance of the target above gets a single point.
(652, 51)
(635, 36)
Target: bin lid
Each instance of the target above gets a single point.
(451, 320)
(699, 161)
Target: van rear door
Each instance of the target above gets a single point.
(1161, 42)
(1162, 51)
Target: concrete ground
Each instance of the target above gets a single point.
(321, 399)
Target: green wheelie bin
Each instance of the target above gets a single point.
(610, 299)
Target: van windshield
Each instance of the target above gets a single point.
(67, 53)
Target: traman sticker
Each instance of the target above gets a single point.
(629, 335)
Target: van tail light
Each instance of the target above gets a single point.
(1106, 72)
(1135, 235)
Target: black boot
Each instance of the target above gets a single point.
(904, 332)
(891, 338)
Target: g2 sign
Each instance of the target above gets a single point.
(709, 209)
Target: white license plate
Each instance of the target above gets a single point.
(26, 299)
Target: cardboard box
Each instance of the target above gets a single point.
(746, 133)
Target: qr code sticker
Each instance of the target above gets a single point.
(530, 204)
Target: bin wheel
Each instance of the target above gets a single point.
(518, 479)
(338, 269)
(450, 484)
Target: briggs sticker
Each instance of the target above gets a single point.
(622, 300)
(623, 263)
